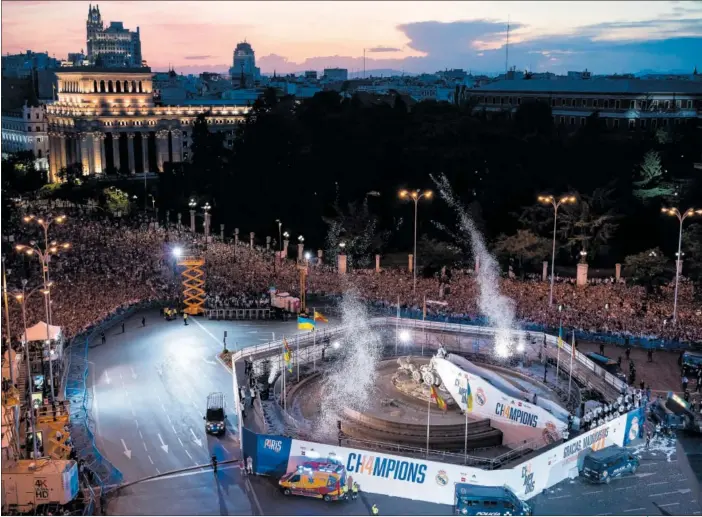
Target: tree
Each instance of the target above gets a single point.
(647, 268)
(525, 246)
(437, 254)
(589, 223)
(358, 229)
(116, 200)
(651, 183)
(534, 118)
(20, 174)
(71, 174)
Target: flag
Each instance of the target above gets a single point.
(305, 323)
(560, 337)
(287, 355)
(469, 397)
(318, 316)
(437, 398)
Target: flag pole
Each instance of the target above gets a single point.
(559, 345)
(397, 323)
(428, 415)
(465, 439)
(570, 370)
(297, 354)
(314, 350)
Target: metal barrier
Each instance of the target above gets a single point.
(238, 314)
(105, 475)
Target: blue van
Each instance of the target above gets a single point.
(611, 462)
(487, 500)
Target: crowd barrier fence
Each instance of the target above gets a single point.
(238, 314)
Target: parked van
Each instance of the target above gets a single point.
(316, 479)
(611, 462)
(488, 500)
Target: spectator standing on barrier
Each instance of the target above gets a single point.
(249, 465)
(685, 380)
(602, 352)
(627, 352)
(650, 355)
(103, 339)
(143, 321)
(122, 327)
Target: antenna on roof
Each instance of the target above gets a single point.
(507, 50)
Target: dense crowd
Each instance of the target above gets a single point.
(117, 262)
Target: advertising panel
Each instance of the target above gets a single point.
(410, 478)
(269, 453)
(489, 402)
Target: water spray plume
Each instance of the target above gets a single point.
(351, 381)
(492, 303)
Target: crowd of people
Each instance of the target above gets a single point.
(115, 262)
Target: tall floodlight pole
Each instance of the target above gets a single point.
(415, 195)
(555, 203)
(681, 217)
(43, 256)
(45, 224)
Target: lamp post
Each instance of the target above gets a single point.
(300, 248)
(192, 204)
(21, 297)
(415, 195)
(280, 233)
(206, 209)
(681, 217)
(45, 224)
(555, 203)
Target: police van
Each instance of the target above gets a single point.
(611, 462)
(488, 500)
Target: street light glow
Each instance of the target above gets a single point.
(336, 344)
(405, 336)
(177, 252)
(308, 255)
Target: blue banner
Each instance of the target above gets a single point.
(269, 453)
(634, 425)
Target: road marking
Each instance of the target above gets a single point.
(189, 456)
(120, 375)
(595, 492)
(659, 483)
(133, 412)
(181, 442)
(152, 461)
(559, 497)
(158, 397)
(207, 331)
(144, 446)
(107, 377)
(193, 473)
(163, 445)
(134, 375)
(169, 419)
(209, 362)
(126, 451)
(668, 504)
(164, 409)
(253, 495)
(225, 449)
(126, 393)
(140, 435)
(136, 422)
(195, 405)
(158, 470)
(634, 510)
(174, 430)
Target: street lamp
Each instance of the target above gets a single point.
(192, 204)
(22, 297)
(681, 217)
(45, 223)
(555, 203)
(415, 195)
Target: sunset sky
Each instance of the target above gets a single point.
(605, 37)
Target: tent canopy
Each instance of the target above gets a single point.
(38, 332)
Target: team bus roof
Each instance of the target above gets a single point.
(481, 491)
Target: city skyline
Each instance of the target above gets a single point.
(413, 37)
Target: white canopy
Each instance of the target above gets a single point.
(38, 332)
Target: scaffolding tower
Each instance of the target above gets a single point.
(193, 284)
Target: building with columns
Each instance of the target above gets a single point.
(105, 119)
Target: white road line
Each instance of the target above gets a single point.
(158, 397)
(158, 470)
(668, 504)
(658, 483)
(144, 446)
(120, 375)
(634, 510)
(225, 449)
(189, 456)
(133, 412)
(140, 435)
(207, 331)
(164, 408)
(169, 419)
(126, 393)
(181, 443)
(136, 422)
(176, 432)
(195, 405)
(663, 493)
(152, 461)
(559, 497)
(595, 492)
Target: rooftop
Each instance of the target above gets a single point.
(103, 70)
(615, 86)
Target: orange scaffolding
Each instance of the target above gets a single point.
(193, 284)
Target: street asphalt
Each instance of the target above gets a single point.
(150, 386)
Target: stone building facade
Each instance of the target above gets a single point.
(106, 119)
